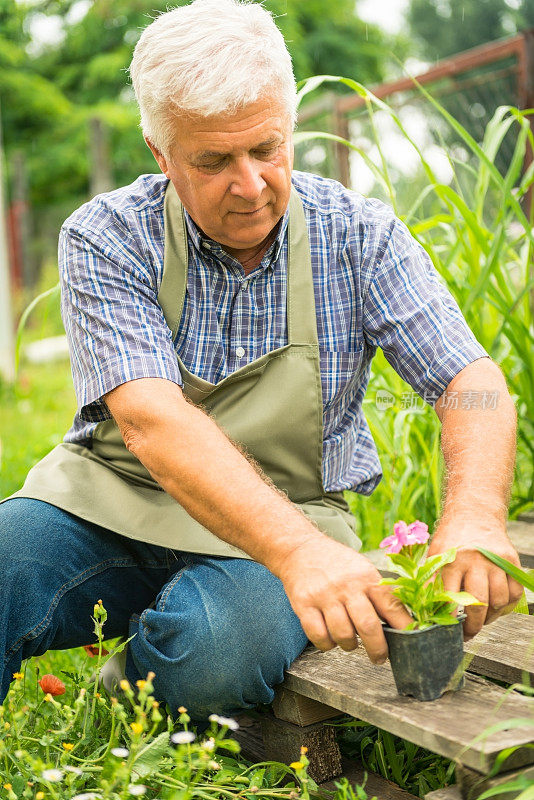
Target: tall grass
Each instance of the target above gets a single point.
(480, 238)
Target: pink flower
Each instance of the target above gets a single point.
(405, 535)
(417, 533)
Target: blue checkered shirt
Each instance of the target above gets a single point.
(375, 286)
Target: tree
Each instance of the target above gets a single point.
(444, 27)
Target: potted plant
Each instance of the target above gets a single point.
(426, 657)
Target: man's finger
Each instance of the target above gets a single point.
(340, 627)
(452, 578)
(389, 607)
(515, 590)
(499, 595)
(369, 627)
(476, 583)
(314, 626)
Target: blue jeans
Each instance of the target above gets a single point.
(219, 636)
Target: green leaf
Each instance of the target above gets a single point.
(149, 758)
(404, 563)
(442, 619)
(462, 599)
(434, 563)
(526, 579)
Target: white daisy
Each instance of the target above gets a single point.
(120, 752)
(136, 789)
(227, 721)
(183, 737)
(209, 744)
(52, 775)
(87, 796)
(75, 770)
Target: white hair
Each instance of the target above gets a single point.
(208, 57)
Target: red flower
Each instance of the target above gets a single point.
(92, 650)
(52, 685)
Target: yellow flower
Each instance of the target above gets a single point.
(7, 726)
(297, 765)
(8, 786)
(18, 675)
(182, 710)
(68, 746)
(39, 796)
(140, 684)
(136, 727)
(303, 750)
(124, 684)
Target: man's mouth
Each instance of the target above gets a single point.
(250, 213)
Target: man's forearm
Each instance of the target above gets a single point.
(194, 461)
(478, 445)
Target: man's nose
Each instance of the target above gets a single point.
(248, 181)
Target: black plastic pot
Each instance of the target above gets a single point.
(426, 663)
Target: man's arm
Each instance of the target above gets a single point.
(478, 443)
(333, 589)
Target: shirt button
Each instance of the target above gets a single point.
(244, 286)
(240, 352)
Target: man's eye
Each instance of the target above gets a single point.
(265, 152)
(214, 166)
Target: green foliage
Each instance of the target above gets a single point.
(71, 738)
(411, 767)
(444, 27)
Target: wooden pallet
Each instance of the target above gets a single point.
(318, 686)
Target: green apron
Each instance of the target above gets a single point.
(271, 406)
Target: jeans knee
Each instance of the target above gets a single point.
(211, 665)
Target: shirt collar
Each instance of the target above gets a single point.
(204, 245)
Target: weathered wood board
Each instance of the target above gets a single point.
(471, 784)
(504, 649)
(449, 793)
(522, 536)
(349, 682)
(292, 707)
(375, 785)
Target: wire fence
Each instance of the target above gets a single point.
(470, 86)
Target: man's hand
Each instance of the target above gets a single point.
(478, 446)
(474, 573)
(335, 593)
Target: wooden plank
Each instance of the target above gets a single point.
(448, 793)
(472, 784)
(504, 649)
(349, 682)
(375, 785)
(283, 742)
(300, 710)
(250, 738)
(522, 536)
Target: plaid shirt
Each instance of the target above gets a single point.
(375, 286)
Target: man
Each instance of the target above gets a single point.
(222, 318)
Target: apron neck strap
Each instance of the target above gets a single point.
(301, 319)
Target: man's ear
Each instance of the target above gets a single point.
(160, 158)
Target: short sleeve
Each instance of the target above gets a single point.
(414, 319)
(115, 326)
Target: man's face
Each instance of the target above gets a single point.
(232, 172)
